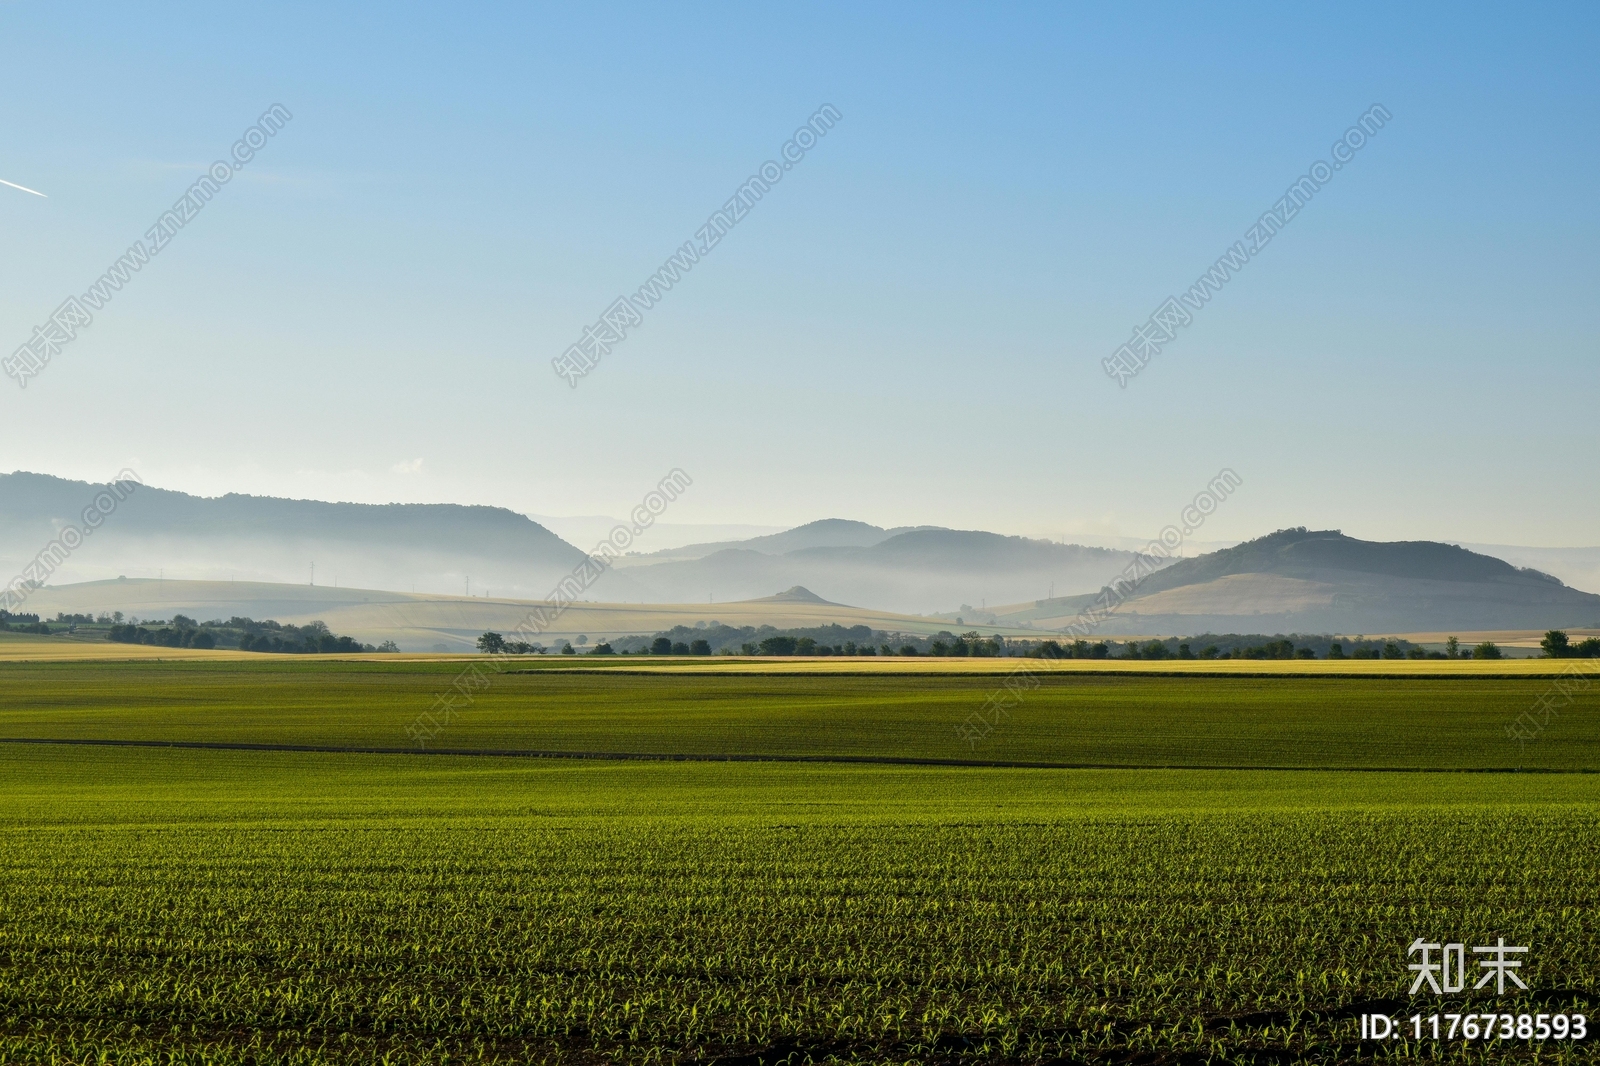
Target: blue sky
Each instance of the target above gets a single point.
(909, 328)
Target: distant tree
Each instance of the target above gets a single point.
(1588, 648)
(1080, 649)
(388, 645)
(939, 648)
(602, 648)
(1305, 653)
(680, 648)
(908, 649)
(699, 647)
(1184, 652)
(1051, 650)
(1155, 650)
(582, 640)
(116, 616)
(1210, 651)
(566, 649)
(778, 646)
(491, 643)
(1391, 650)
(1556, 645)
(805, 646)
(661, 646)
(1452, 648)
(748, 649)
(1487, 650)
(1336, 650)
(204, 639)
(1100, 650)
(1416, 651)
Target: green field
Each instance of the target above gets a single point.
(226, 906)
(1069, 719)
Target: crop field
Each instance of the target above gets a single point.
(172, 905)
(1076, 719)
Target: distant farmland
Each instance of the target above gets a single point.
(419, 621)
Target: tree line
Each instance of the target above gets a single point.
(246, 634)
(1260, 647)
(864, 641)
(1556, 645)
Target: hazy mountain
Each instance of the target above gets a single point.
(440, 548)
(1323, 581)
(433, 547)
(1577, 567)
(586, 531)
(1291, 580)
(824, 533)
(921, 570)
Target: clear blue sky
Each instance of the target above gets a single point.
(908, 329)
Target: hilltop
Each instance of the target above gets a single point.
(823, 533)
(1323, 581)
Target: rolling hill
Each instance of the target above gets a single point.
(446, 549)
(918, 570)
(1296, 580)
(435, 547)
(1292, 580)
(823, 533)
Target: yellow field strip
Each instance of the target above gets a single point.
(929, 665)
(60, 649)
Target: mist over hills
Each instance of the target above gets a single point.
(920, 570)
(439, 548)
(1292, 580)
(824, 533)
(432, 547)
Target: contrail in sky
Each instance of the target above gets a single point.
(24, 188)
